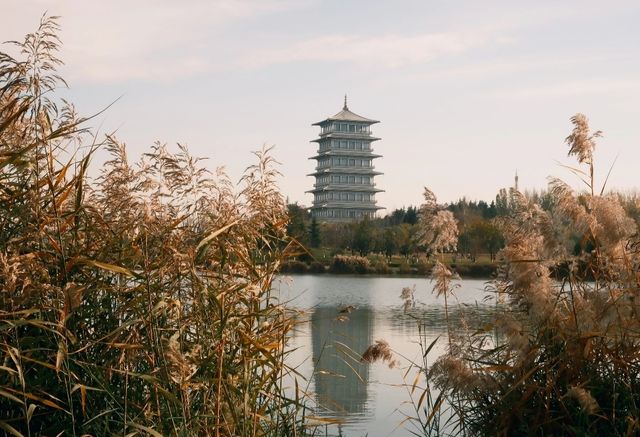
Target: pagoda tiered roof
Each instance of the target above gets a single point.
(346, 115)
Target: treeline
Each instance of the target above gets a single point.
(393, 238)
(395, 233)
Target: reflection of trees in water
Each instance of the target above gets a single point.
(432, 317)
(340, 379)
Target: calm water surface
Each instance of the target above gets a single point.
(368, 399)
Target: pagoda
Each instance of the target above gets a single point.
(344, 189)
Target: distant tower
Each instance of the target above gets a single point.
(344, 189)
(516, 186)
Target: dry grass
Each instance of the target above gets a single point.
(568, 343)
(139, 303)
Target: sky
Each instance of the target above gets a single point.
(468, 92)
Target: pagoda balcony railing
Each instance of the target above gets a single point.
(355, 152)
(341, 203)
(343, 184)
(371, 167)
(349, 134)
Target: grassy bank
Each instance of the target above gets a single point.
(482, 267)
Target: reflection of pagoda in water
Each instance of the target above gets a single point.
(340, 378)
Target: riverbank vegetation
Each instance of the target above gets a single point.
(138, 302)
(392, 246)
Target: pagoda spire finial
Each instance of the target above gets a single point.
(346, 108)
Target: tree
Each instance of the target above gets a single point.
(411, 217)
(502, 202)
(314, 233)
(296, 227)
(362, 237)
(390, 242)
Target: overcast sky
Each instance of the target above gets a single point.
(467, 92)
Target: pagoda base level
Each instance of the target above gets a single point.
(342, 214)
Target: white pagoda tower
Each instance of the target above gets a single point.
(344, 189)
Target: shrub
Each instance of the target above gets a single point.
(403, 267)
(423, 265)
(476, 270)
(350, 264)
(317, 267)
(379, 264)
(294, 266)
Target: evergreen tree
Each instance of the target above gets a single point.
(314, 233)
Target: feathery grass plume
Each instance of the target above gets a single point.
(570, 327)
(452, 371)
(379, 351)
(437, 228)
(581, 142)
(584, 398)
(139, 302)
(443, 277)
(408, 296)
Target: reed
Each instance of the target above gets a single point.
(138, 302)
(563, 355)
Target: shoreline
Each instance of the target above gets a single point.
(486, 271)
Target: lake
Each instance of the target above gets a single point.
(340, 316)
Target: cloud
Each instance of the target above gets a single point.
(121, 40)
(390, 50)
(583, 87)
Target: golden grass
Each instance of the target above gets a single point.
(565, 351)
(138, 303)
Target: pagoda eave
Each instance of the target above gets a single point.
(346, 153)
(344, 136)
(345, 170)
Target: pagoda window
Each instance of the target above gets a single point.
(352, 179)
(360, 197)
(352, 162)
(352, 145)
(352, 128)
